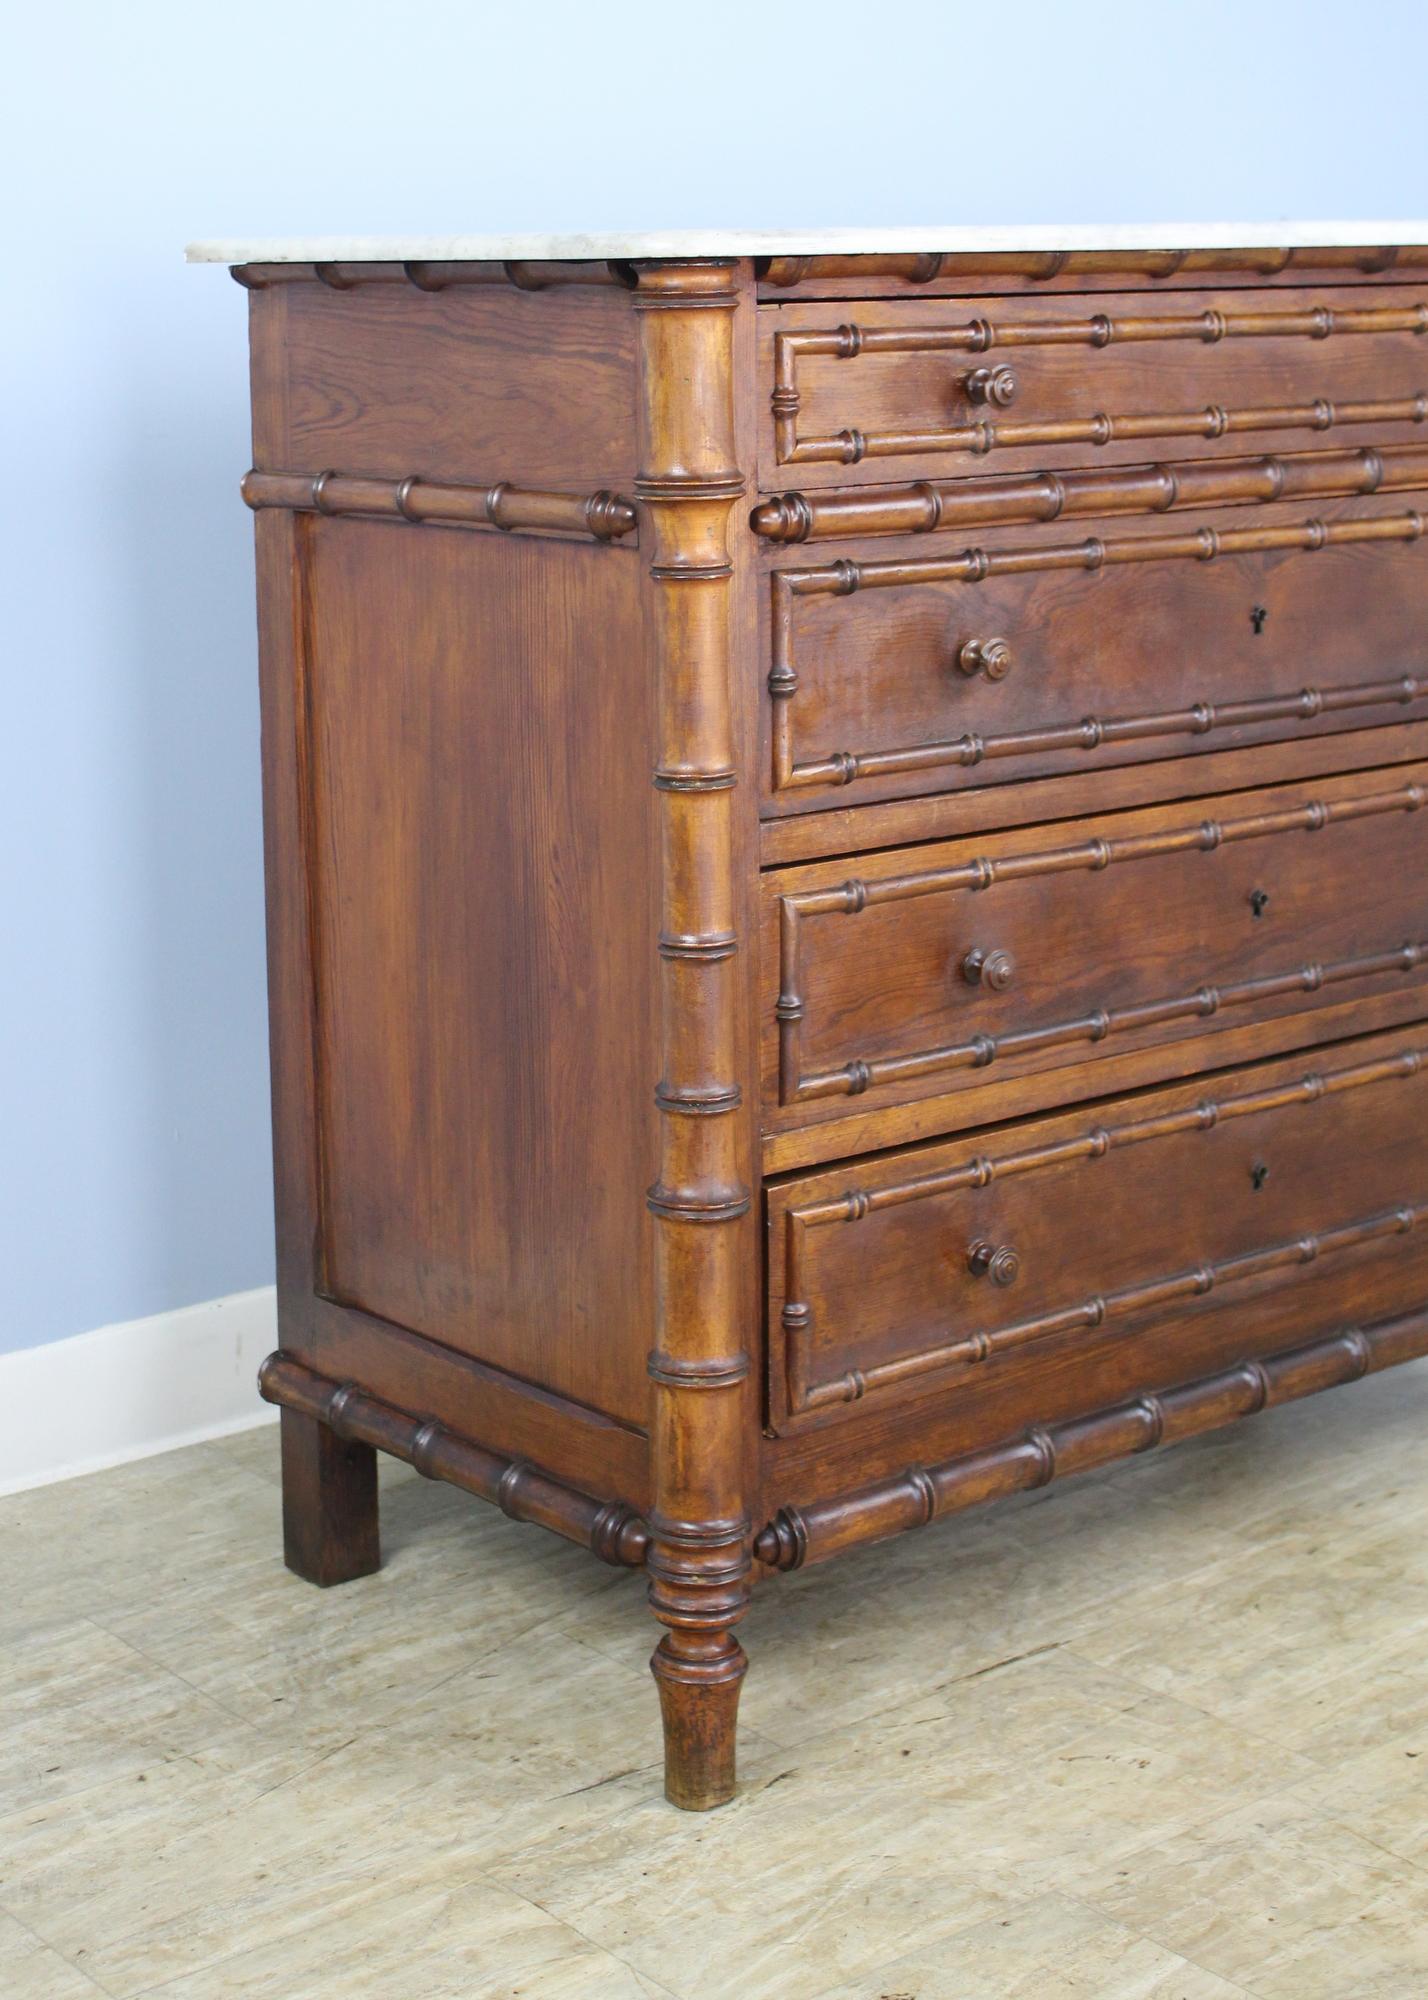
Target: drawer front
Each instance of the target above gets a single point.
(985, 384)
(1041, 652)
(1100, 1247)
(944, 967)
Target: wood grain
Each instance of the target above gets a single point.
(869, 692)
(930, 273)
(479, 715)
(699, 1557)
(1171, 1202)
(849, 398)
(934, 506)
(868, 992)
(387, 380)
(924, 1493)
(816, 1039)
(344, 1425)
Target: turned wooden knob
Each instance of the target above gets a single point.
(996, 386)
(997, 1261)
(993, 969)
(992, 657)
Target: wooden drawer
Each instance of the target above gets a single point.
(932, 969)
(881, 389)
(1087, 1249)
(1042, 651)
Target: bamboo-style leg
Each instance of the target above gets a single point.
(699, 1682)
(330, 1532)
(700, 1553)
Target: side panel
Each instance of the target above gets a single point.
(481, 866)
(469, 385)
(462, 858)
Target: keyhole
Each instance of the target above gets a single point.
(1259, 1174)
(1258, 902)
(1257, 618)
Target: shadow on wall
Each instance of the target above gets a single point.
(188, 651)
(133, 1011)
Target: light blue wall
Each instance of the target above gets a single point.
(133, 1087)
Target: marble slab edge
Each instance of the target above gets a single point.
(984, 239)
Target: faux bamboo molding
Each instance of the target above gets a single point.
(927, 506)
(1166, 1288)
(1088, 733)
(699, 1558)
(609, 1528)
(805, 1394)
(528, 275)
(602, 516)
(911, 1499)
(850, 447)
(850, 342)
(927, 267)
(539, 274)
(981, 1051)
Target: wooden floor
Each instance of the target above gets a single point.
(1161, 1734)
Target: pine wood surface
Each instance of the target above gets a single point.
(1112, 644)
(934, 388)
(741, 742)
(968, 960)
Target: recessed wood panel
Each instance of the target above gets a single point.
(481, 884)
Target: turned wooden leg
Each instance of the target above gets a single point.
(699, 1682)
(703, 1408)
(329, 1502)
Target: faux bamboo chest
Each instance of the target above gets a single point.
(848, 889)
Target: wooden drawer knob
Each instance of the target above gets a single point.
(993, 969)
(997, 1261)
(992, 657)
(996, 386)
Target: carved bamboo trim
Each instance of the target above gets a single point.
(1165, 1289)
(1089, 733)
(525, 274)
(806, 1394)
(603, 516)
(921, 1494)
(850, 447)
(610, 1528)
(700, 1554)
(929, 506)
(1097, 330)
(917, 268)
(1196, 836)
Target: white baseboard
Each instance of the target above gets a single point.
(122, 1392)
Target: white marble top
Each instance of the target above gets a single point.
(982, 238)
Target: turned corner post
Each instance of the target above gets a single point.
(700, 1554)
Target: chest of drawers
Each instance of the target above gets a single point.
(848, 883)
